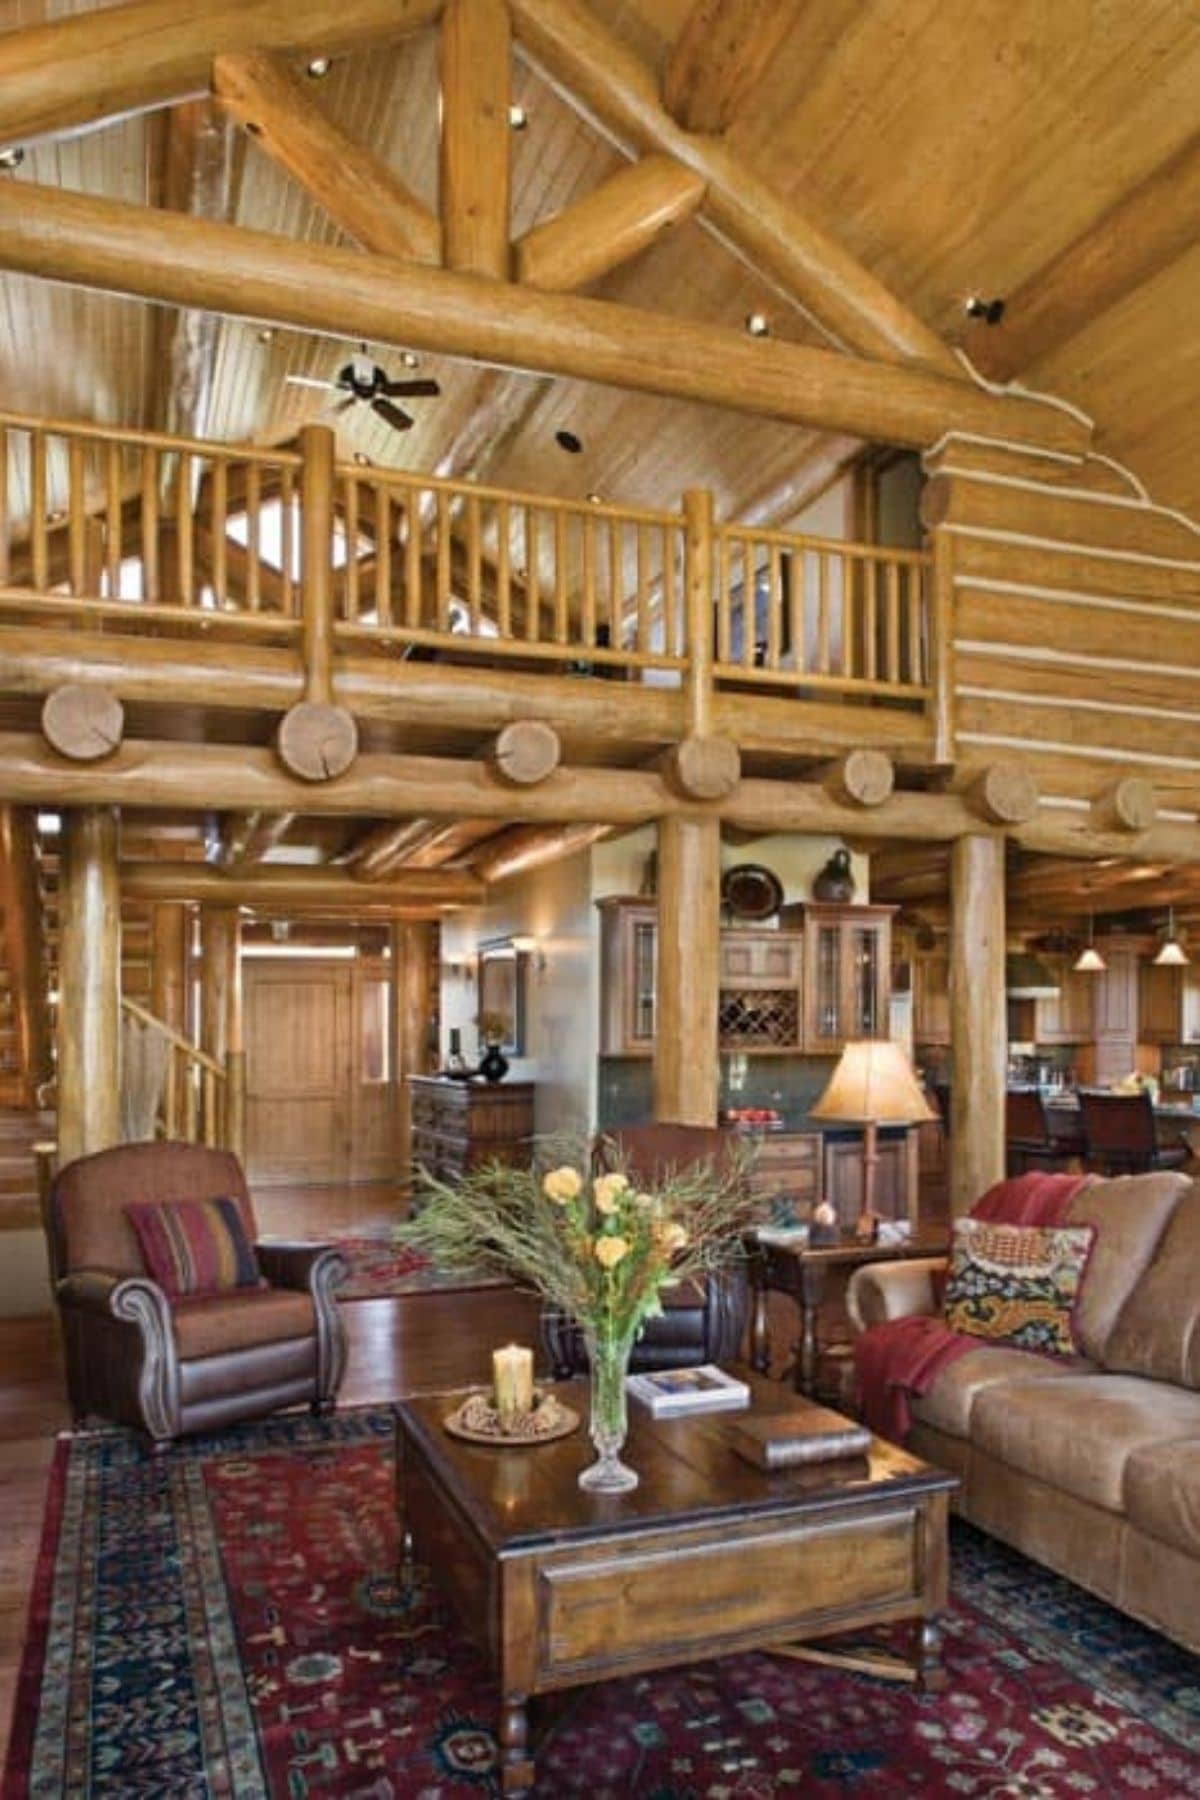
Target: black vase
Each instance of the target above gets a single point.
(493, 1064)
(835, 882)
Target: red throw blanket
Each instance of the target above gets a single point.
(903, 1357)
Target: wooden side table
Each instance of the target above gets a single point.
(801, 1270)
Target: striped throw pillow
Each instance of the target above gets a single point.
(195, 1247)
(1017, 1284)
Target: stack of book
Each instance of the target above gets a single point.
(668, 1393)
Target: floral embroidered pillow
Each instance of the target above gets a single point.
(1017, 1284)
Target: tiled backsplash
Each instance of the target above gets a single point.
(788, 1083)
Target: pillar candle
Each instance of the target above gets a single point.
(512, 1370)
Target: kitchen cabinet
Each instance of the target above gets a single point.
(459, 1125)
(896, 1175)
(1168, 1004)
(931, 998)
(766, 959)
(1067, 1017)
(1115, 1021)
(628, 976)
(847, 974)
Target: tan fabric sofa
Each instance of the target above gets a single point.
(1091, 1466)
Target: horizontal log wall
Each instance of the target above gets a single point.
(1075, 638)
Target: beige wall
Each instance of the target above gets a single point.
(24, 1274)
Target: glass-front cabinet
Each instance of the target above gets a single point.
(848, 974)
(628, 978)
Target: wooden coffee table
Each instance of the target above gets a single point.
(708, 1555)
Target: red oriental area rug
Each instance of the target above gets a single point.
(382, 1270)
(225, 1620)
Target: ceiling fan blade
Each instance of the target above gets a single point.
(393, 416)
(310, 381)
(343, 405)
(406, 389)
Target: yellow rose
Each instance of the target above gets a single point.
(561, 1185)
(610, 1250)
(671, 1236)
(645, 1202)
(607, 1191)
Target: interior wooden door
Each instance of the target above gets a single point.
(373, 1112)
(299, 1087)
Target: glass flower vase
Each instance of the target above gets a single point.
(608, 1354)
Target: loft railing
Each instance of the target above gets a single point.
(161, 534)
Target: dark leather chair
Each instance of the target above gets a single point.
(701, 1322)
(171, 1367)
(1121, 1134)
(1031, 1141)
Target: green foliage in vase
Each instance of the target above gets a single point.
(592, 1243)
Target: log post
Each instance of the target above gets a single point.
(220, 981)
(689, 948)
(698, 601)
(978, 1018)
(412, 1011)
(317, 740)
(25, 939)
(89, 1011)
(169, 924)
(476, 72)
(233, 1136)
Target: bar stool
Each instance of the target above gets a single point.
(1029, 1139)
(1121, 1134)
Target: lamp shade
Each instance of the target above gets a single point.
(873, 1083)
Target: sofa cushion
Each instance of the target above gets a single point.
(1130, 1215)
(193, 1247)
(1017, 1284)
(239, 1321)
(1157, 1332)
(947, 1406)
(1078, 1434)
(1162, 1493)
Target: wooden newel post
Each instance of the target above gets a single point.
(89, 1011)
(978, 1018)
(318, 740)
(169, 964)
(689, 953)
(234, 1134)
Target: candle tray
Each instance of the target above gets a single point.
(478, 1421)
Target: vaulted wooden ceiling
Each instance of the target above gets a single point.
(1045, 156)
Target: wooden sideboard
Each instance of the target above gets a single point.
(457, 1125)
(806, 1166)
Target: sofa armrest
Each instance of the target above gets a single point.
(114, 1296)
(107, 1365)
(881, 1291)
(317, 1269)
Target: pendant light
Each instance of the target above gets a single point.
(1089, 961)
(1171, 953)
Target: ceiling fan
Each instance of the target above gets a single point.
(361, 379)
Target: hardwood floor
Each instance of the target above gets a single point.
(396, 1347)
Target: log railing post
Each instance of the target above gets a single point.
(89, 1041)
(317, 447)
(685, 1044)
(698, 607)
(978, 1018)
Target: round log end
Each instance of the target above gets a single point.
(526, 751)
(705, 768)
(1130, 805)
(866, 777)
(1007, 794)
(317, 742)
(83, 721)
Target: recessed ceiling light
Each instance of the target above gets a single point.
(990, 311)
(266, 334)
(362, 459)
(758, 325)
(566, 440)
(12, 158)
(410, 359)
(595, 499)
(318, 66)
(518, 118)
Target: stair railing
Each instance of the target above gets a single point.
(203, 1101)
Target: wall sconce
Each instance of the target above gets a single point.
(461, 968)
(526, 945)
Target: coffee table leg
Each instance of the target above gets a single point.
(516, 1762)
(931, 1674)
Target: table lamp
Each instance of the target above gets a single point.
(873, 1085)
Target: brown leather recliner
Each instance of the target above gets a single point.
(702, 1321)
(172, 1367)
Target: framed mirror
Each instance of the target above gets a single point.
(501, 993)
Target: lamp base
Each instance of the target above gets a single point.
(866, 1227)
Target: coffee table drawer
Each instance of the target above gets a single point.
(662, 1602)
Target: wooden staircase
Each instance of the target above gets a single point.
(21, 1129)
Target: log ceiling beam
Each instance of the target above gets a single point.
(614, 222)
(245, 838)
(124, 59)
(141, 773)
(476, 81)
(1147, 229)
(720, 57)
(525, 847)
(599, 74)
(385, 847)
(298, 887)
(358, 191)
(106, 244)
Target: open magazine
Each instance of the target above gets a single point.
(668, 1392)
